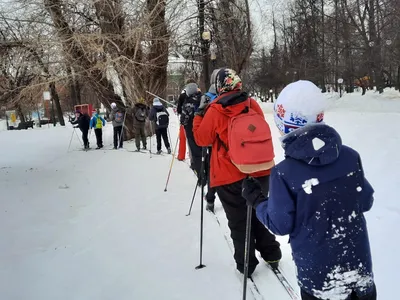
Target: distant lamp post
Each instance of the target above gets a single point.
(271, 95)
(340, 81)
(206, 37)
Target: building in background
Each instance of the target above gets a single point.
(180, 69)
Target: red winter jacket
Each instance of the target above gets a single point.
(213, 128)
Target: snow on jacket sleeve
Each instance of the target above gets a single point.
(278, 213)
(204, 128)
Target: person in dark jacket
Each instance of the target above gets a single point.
(118, 119)
(83, 121)
(160, 117)
(210, 127)
(318, 196)
(140, 113)
(189, 107)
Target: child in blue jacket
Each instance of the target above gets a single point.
(97, 123)
(318, 196)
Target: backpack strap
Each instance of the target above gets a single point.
(221, 143)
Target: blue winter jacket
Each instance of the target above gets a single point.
(318, 195)
(93, 121)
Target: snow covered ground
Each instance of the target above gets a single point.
(98, 225)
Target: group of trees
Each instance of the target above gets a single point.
(116, 50)
(324, 40)
(113, 49)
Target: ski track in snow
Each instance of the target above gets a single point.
(97, 224)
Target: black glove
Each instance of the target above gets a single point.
(202, 107)
(251, 191)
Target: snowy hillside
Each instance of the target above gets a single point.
(98, 224)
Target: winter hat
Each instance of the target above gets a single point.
(157, 102)
(214, 76)
(141, 100)
(191, 89)
(298, 104)
(212, 89)
(227, 80)
(113, 105)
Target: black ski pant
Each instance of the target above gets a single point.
(162, 132)
(118, 136)
(140, 135)
(353, 296)
(236, 212)
(85, 137)
(210, 197)
(194, 149)
(99, 137)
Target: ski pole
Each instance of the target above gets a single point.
(154, 95)
(122, 130)
(151, 135)
(191, 204)
(203, 155)
(247, 250)
(70, 141)
(169, 136)
(172, 162)
(78, 137)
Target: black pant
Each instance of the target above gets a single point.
(162, 132)
(85, 138)
(195, 150)
(236, 212)
(353, 296)
(118, 136)
(140, 135)
(99, 137)
(210, 197)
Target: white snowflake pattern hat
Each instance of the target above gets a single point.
(298, 104)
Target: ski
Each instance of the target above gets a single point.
(285, 283)
(251, 285)
(135, 151)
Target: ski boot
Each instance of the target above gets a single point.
(159, 152)
(169, 150)
(210, 206)
(273, 264)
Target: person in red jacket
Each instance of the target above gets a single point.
(210, 127)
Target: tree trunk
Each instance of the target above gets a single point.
(56, 101)
(323, 45)
(20, 113)
(204, 46)
(77, 58)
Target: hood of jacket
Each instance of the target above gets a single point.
(158, 108)
(140, 105)
(315, 144)
(232, 103)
